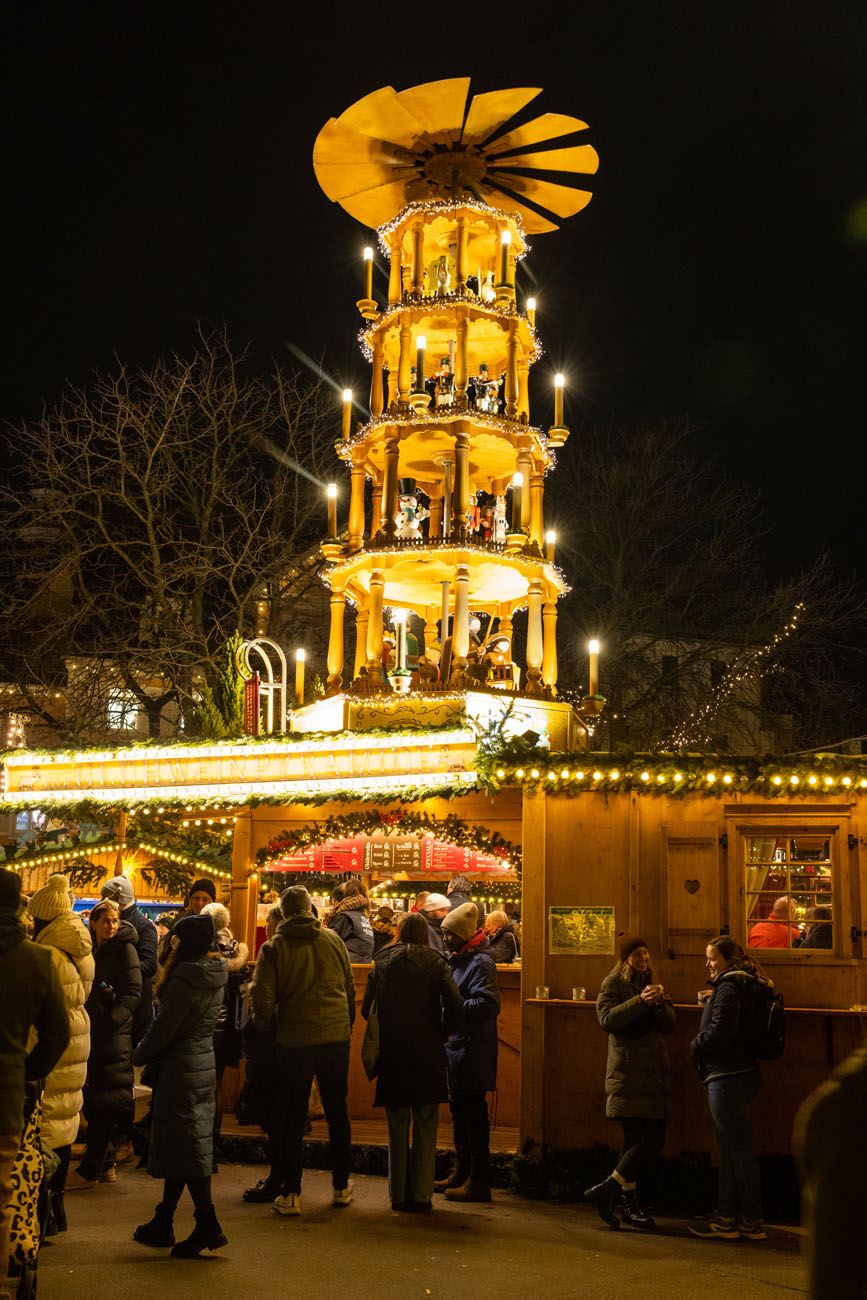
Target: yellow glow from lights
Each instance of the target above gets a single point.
(559, 380)
(517, 479)
(597, 776)
(727, 779)
(368, 254)
(829, 780)
(847, 780)
(660, 780)
(501, 772)
(794, 780)
(579, 776)
(347, 394)
(645, 776)
(565, 773)
(710, 778)
(520, 773)
(777, 780)
(331, 491)
(421, 342)
(614, 774)
(531, 304)
(593, 647)
(550, 537)
(678, 776)
(505, 236)
(534, 773)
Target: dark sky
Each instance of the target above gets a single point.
(157, 170)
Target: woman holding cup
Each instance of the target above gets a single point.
(635, 1013)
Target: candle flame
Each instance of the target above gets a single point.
(559, 381)
(505, 236)
(300, 656)
(593, 647)
(368, 254)
(517, 479)
(331, 491)
(421, 342)
(347, 394)
(550, 537)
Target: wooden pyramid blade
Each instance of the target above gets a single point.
(547, 127)
(382, 116)
(341, 180)
(491, 110)
(377, 206)
(581, 158)
(534, 222)
(337, 143)
(439, 107)
(559, 199)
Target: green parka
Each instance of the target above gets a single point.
(303, 985)
(638, 1076)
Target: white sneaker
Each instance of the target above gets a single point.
(289, 1204)
(342, 1195)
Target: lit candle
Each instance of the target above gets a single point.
(420, 345)
(505, 241)
(550, 539)
(347, 411)
(559, 385)
(300, 657)
(593, 683)
(368, 273)
(399, 620)
(517, 493)
(331, 494)
(531, 310)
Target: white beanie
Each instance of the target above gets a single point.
(436, 903)
(53, 899)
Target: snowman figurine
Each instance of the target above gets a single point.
(410, 513)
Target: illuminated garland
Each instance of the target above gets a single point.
(693, 731)
(445, 208)
(450, 829)
(573, 774)
(485, 419)
(416, 301)
(508, 558)
(40, 857)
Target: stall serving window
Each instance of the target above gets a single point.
(789, 890)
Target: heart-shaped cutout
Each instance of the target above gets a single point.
(692, 886)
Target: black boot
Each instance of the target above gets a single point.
(263, 1193)
(207, 1235)
(160, 1230)
(605, 1196)
(58, 1211)
(633, 1213)
(456, 1178)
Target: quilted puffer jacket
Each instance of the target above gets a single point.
(70, 945)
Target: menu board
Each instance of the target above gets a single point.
(389, 855)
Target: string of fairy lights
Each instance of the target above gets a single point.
(749, 669)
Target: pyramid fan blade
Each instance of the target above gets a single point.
(534, 224)
(547, 127)
(382, 116)
(559, 199)
(336, 143)
(582, 158)
(375, 207)
(489, 111)
(439, 106)
(341, 180)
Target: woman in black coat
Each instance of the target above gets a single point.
(501, 937)
(416, 1002)
(178, 1053)
(350, 918)
(111, 1005)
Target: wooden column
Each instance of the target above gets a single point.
(404, 364)
(335, 643)
(394, 271)
(239, 903)
(418, 256)
(461, 627)
(461, 256)
(356, 503)
(461, 364)
(525, 465)
(389, 486)
(460, 499)
(534, 943)
(549, 647)
(374, 626)
(392, 390)
(512, 372)
(435, 526)
(534, 637)
(537, 513)
(361, 615)
(376, 394)
(430, 627)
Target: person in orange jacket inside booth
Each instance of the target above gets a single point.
(777, 930)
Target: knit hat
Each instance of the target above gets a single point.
(463, 921)
(120, 889)
(196, 935)
(219, 914)
(629, 943)
(10, 890)
(203, 886)
(435, 903)
(295, 901)
(52, 900)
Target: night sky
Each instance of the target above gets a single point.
(157, 171)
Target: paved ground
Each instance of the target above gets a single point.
(522, 1249)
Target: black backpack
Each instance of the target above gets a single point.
(768, 1022)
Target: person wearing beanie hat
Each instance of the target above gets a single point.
(120, 889)
(472, 1054)
(459, 892)
(201, 893)
(635, 1013)
(32, 1000)
(178, 1055)
(63, 933)
(434, 909)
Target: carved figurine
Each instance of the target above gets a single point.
(500, 519)
(443, 276)
(488, 292)
(445, 384)
(410, 513)
(485, 390)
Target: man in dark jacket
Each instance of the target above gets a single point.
(303, 986)
(32, 999)
(120, 889)
(472, 1054)
(459, 893)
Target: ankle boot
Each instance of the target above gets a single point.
(634, 1215)
(605, 1196)
(207, 1235)
(160, 1230)
(472, 1190)
(58, 1211)
(456, 1178)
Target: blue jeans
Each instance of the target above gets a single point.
(740, 1186)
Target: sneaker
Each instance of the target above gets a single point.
(342, 1195)
(75, 1182)
(288, 1204)
(718, 1226)
(752, 1230)
(108, 1175)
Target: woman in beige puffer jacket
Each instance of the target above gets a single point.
(60, 929)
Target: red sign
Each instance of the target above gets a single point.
(389, 854)
(252, 715)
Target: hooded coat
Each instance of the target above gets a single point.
(638, 1074)
(417, 1004)
(472, 1048)
(725, 1042)
(111, 1006)
(179, 1047)
(31, 999)
(303, 985)
(70, 945)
